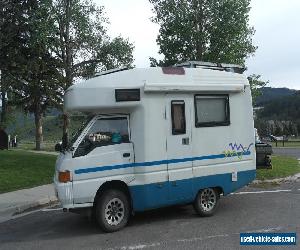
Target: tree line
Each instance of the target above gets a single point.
(280, 116)
(47, 45)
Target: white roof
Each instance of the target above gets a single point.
(100, 90)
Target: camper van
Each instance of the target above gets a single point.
(157, 137)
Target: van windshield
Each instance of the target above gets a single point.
(104, 131)
(77, 125)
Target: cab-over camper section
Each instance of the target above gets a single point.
(159, 136)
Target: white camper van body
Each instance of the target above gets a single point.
(158, 164)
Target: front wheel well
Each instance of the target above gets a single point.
(116, 184)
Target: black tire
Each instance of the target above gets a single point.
(112, 210)
(206, 202)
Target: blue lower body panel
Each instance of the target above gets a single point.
(156, 195)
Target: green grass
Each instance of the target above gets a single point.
(21, 169)
(282, 166)
(46, 146)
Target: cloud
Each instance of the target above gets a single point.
(131, 19)
(277, 37)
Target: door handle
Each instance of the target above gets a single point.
(125, 155)
(185, 141)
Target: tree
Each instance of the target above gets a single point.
(256, 84)
(12, 27)
(82, 45)
(283, 109)
(37, 86)
(262, 127)
(203, 30)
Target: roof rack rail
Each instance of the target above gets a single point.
(110, 71)
(213, 66)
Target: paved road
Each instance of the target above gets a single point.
(172, 228)
(294, 152)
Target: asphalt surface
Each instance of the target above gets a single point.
(294, 152)
(168, 228)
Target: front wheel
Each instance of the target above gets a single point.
(112, 210)
(206, 202)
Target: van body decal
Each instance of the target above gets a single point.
(234, 150)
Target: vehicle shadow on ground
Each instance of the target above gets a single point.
(162, 214)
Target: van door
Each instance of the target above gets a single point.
(179, 146)
(103, 153)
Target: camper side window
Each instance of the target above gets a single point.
(104, 132)
(178, 117)
(212, 110)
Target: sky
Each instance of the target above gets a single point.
(277, 25)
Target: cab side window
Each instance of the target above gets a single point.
(104, 132)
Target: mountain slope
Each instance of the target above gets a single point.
(269, 94)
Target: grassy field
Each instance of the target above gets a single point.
(46, 146)
(20, 169)
(282, 166)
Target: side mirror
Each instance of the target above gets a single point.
(58, 147)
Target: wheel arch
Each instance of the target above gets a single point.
(114, 184)
(219, 189)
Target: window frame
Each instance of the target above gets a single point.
(127, 95)
(183, 130)
(215, 123)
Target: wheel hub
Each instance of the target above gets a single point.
(114, 211)
(208, 199)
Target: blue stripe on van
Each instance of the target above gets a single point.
(156, 163)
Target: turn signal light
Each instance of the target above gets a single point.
(64, 176)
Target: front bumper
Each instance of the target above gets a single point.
(64, 192)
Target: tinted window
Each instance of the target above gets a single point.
(212, 110)
(126, 95)
(178, 117)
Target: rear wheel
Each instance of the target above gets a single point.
(112, 210)
(206, 201)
